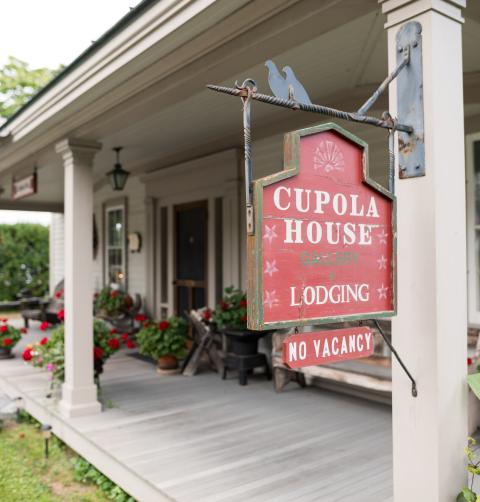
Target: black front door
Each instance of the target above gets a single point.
(190, 281)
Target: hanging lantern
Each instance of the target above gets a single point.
(118, 176)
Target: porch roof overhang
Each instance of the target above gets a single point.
(143, 86)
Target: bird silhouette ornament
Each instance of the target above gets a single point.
(288, 87)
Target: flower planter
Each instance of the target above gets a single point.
(167, 363)
(6, 353)
(244, 342)
(243, 354)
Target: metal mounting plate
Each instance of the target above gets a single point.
(411, 147)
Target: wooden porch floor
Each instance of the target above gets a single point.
(202, 439)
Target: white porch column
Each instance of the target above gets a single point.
(430, 331)
(79, 393)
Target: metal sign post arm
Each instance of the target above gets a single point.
(397, 357)
(384, 85)
(248, 87)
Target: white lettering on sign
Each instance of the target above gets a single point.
(306, 200)
(329, 232)
(328, 346)
(337, 293)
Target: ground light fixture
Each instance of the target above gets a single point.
(47, 434)
(20, 406)
(118, 176)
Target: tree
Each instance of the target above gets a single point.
(24, 259)
(19, 82)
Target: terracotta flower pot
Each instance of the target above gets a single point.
(168, 362)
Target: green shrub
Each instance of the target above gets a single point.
(24, 259)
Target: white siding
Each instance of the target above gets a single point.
(134, 193)
(57, 243)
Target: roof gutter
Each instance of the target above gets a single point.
(134, 13)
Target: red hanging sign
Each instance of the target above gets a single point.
(323, 246)
(308, 349)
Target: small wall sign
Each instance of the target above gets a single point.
(24, 187)
(308, 349)
(324, 240)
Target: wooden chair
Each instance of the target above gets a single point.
(125, 322)
(205, 341)
(37, 309)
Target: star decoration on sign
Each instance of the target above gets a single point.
(271, 267)
(382, 263)
(271, 299)
(382, 292)
(382, 237)
(270, 233)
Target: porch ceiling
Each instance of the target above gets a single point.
(337, 49)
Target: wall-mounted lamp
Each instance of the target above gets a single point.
(118, 176)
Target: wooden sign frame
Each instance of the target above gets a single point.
(30, 188)
(254, 242)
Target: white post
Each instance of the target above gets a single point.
(79, 393)
(430, 330)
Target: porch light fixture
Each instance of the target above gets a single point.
(118, 176)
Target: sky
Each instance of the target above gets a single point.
(50, 33)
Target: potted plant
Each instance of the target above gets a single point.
(230, 316)
(9, 337)
(112, 302)
(49, 352)
(164, 341)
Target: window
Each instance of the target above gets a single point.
(115, 246)
(473, 227)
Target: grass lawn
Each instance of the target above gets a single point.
(26, 476)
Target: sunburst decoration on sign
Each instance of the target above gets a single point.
(328, 157)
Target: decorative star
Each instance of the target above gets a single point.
(382, 237)
(382, 263)
(270, 233)
(271, 298)
(271, 267)
(382, 292)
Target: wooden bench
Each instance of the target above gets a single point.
(369, 377)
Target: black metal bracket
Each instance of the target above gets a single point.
(397, 357)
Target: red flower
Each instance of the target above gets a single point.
(113, 343)
(23, 331)
(44, 340)
(27, 354)
(114, 294)
(243, 303)
(224, 306)
(147, 324)
(4, 320)
(4, 328)
(207, 315)
(130, 344)
(243, 318)
(97, 352)
(7, 342)
(113, 331)
(125, 336)
(469, 361)
(61, 315)
(44, 325)
(140, 317)
(163, 325)
(58, 294)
